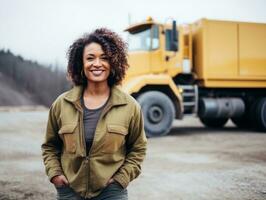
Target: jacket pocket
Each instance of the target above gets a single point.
(114, 138)
(67, 132)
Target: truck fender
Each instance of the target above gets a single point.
(135, 84)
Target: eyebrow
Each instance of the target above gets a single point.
(91, 54)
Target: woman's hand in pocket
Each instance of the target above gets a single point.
(60, 181)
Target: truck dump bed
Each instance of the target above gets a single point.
(229, 54)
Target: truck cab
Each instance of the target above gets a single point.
(155, 48)
(158, 55)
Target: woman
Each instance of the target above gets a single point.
(95, 140)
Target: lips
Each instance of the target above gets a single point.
(97, 72)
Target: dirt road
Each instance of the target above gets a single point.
(192, 163)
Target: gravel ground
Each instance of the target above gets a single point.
(191, 163)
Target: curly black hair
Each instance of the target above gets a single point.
(114, 48)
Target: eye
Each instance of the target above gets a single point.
(89, 58)
(104, 58)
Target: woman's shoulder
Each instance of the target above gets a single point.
(62, 98)
(70, 95)
(131, 101)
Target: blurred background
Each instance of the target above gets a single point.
(35, 35)
(191, 162)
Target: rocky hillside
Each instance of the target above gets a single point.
(23, 82)
(11, 95)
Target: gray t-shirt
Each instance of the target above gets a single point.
(90, 120)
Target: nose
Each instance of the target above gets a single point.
(97, 62)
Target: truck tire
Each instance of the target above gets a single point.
(158, 112)
(242, 122)
(214, 122)
(260, 115)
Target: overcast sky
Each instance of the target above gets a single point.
(42, 30)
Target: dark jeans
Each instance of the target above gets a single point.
(112, 192)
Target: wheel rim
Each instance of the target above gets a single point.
(155, 114)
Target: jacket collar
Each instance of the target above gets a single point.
(117, 96)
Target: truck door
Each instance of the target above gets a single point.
(156, 52)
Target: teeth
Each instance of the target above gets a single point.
(97, 72)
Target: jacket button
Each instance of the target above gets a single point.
(86, 160)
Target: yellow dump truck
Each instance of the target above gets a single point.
(212, 69)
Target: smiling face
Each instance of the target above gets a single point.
(95, 64)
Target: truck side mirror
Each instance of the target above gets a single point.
(174, 38)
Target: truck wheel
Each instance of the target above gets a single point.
(260, 115)
(214, 122)
(158, 112)
(241, 122)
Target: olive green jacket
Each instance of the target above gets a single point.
(118, 148)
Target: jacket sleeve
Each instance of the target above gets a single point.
(51, 148)
(136, 150)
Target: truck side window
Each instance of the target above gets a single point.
(155, 37)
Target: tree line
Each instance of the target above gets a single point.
(44, 83)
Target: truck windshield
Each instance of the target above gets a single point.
(145, 39)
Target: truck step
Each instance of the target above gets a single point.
(190, 98)
(188, 94)
(187, 87)
(189, 103)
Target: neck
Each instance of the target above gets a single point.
(97, 89)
